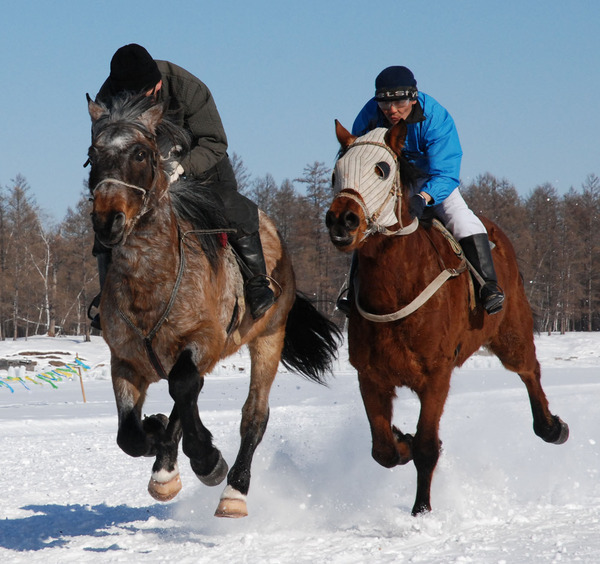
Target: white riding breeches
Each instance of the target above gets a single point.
(458, 218)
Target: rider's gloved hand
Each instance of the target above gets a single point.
(175, 172)
(417, 205)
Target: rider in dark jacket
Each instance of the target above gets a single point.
(191, 105)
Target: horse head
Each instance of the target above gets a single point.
(127, 171)
(368, 188)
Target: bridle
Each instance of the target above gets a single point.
(145, 208)
(373, 226)
(394, 194)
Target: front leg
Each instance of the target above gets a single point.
(390, 446)
(165, 482)
(185, 383)
(130, 392)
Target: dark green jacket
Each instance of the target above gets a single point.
(191, 106)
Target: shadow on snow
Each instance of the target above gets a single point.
(53, 525)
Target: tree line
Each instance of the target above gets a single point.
(48, 276)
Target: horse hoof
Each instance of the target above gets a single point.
(232, 504)
(164, 491)
(217, 475)
(564, 431)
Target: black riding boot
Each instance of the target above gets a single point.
(346, 296)
(103, 260)
(479, 254)
(259, 295)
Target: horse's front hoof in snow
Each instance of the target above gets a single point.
(164, 487)
(232, 504)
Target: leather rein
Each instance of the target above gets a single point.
(149, 337)
(374, 227)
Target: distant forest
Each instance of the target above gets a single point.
(48, 276)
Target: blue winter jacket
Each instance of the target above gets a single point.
(432, 143)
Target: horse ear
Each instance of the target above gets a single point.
(152, 117)
(96, 110)
(396, 136)
(343, 135)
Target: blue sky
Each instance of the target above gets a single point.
(519, 77)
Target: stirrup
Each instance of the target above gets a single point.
(95, 319)
(343, 302)
(259, 295)
(492, 297)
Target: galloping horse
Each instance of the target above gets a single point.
(412, 318)
(173, 303)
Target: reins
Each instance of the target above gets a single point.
(149, 337)
(429, 290)
(373, 227)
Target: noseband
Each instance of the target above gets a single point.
(395, 194)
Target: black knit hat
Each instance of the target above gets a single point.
(395, 83)
(133, 69)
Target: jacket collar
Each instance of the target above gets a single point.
(417, 114)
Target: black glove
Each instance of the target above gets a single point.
(416, 206)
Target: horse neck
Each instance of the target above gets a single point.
(396, 261)
(152, 246)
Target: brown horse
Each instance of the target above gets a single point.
(173, 302)
(405, 331)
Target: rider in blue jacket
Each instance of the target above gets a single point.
(432, 144)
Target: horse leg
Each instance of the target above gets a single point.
(185, 383)
(426, 443)
(130, 392)
(154, 436)
(265, 353)
(165, 482)
(517, 353)
(390, 447)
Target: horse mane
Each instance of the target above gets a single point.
(127, 108)
(200, 206)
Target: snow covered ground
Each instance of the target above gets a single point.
(500, 494)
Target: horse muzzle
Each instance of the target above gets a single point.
(342, 228)
(110, 229)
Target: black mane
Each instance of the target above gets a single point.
(200, 205)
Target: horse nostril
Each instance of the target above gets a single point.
(351, 220)
(118, 221)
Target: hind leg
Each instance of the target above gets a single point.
(265, 353)
(390, 447)
(185, 383)
(516, 351)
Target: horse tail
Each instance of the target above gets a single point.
(311, 341)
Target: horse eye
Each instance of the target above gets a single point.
(140, 156)
(382, 170)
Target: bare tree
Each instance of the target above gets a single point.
(242, 176)
(23, 242)
(77, 268)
